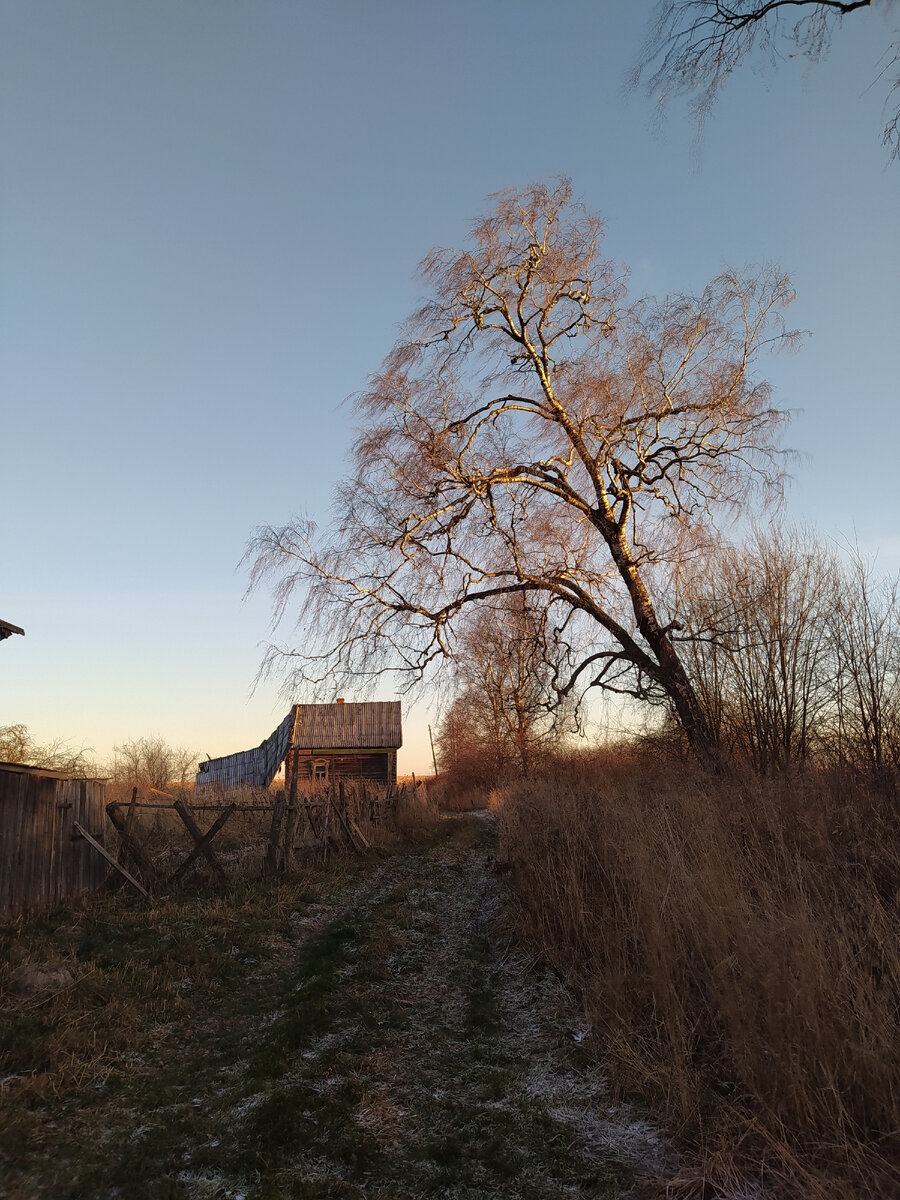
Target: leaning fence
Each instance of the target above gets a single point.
(240, 833)
(59, 838)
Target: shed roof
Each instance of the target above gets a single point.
(369, 725)
(49, 772)
(7, 630)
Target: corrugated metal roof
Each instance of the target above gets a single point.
(371, 725)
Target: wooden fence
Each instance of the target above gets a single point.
(245, 831)
(43, 859)
(56, 842)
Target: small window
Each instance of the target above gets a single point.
(320, 770)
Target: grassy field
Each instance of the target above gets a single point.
(735, 941)
(352, 1031)
(401, 1024)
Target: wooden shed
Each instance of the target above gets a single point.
(323, 742)
(42, 859)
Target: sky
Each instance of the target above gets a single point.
(211, 214)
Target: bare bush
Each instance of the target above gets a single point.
(150, 762)
(18, 746)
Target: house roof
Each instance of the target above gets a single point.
(49, 772)
(7, 630)
(370, 725)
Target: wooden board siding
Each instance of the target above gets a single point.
(41, 863)
(253, 768)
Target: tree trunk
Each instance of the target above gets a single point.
(671, 673)
(680, 690)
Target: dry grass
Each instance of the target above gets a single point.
(136, 967)
(459, 795)
(416, 809)
(351, 1031)
(737, 943)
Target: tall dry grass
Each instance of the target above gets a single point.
(416, 809)
(736, 943)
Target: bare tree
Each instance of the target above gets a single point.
(865, 627)
(694, 45)
(505, 666)
(472, 756)
(18, 746)
(758, 647)
(536, 432)
(15, 743)
(150, 762)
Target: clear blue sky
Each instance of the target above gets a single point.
(210, 217)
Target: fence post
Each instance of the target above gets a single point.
(275, 833)
(325, 822)
(132, 812)
(290, 825)
(129, 843)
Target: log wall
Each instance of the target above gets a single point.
(41, 863)
(378, 766)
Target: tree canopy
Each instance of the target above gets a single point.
(536, 431)
(693, 46)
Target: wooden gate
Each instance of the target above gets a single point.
(42, 860)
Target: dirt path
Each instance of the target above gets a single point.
(385, 1046)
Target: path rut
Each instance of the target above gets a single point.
(391, 1046)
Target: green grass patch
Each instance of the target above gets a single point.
(202, 1054)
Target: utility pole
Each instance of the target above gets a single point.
(433, 759)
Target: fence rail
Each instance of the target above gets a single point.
(59, 838)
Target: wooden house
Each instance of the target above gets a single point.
(320, 743)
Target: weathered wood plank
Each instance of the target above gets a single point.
(129, 842)
(40, 864)
(109, 858)
(201, 840)
(343, 822)
(275, 833)
(203, 847)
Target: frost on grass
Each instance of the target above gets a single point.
(384, 1043)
